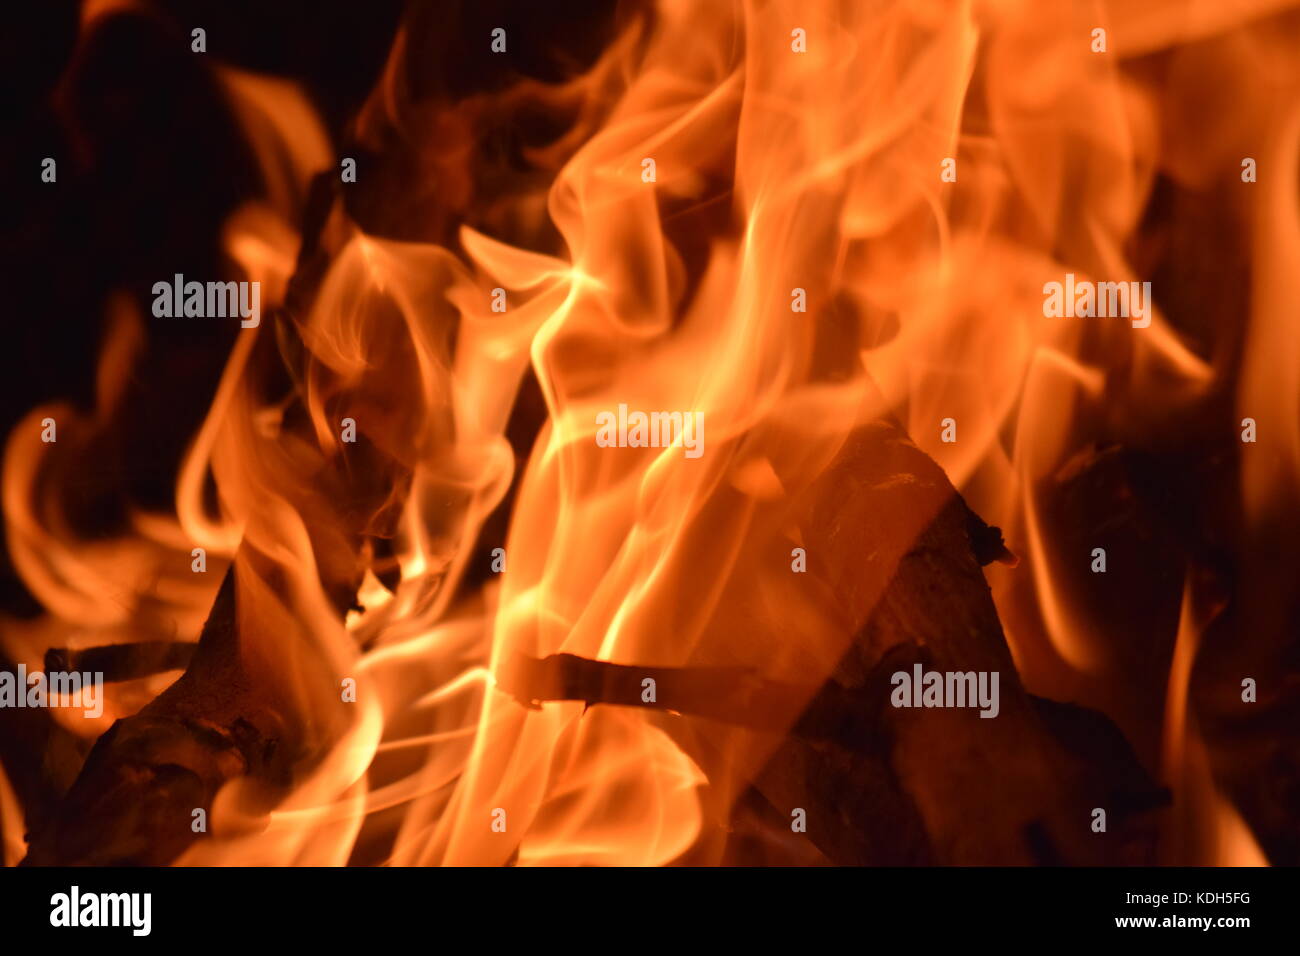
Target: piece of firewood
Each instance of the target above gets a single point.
(889, 536)
(133, 802)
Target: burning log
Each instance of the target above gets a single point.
(879, 783)
(891, 784)
(896, 546)
(134, 801)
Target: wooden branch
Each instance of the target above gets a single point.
(733, 695)
(119, 662)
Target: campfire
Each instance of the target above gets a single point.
(657, 433)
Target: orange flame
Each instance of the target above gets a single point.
(777, 172)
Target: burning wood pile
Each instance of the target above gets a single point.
(665, 433)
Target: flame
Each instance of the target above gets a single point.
(776, 171)
(1212, 828)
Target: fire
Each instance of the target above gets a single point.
(782, 222)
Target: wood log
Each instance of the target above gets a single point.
(885, 785)
(133, 802)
